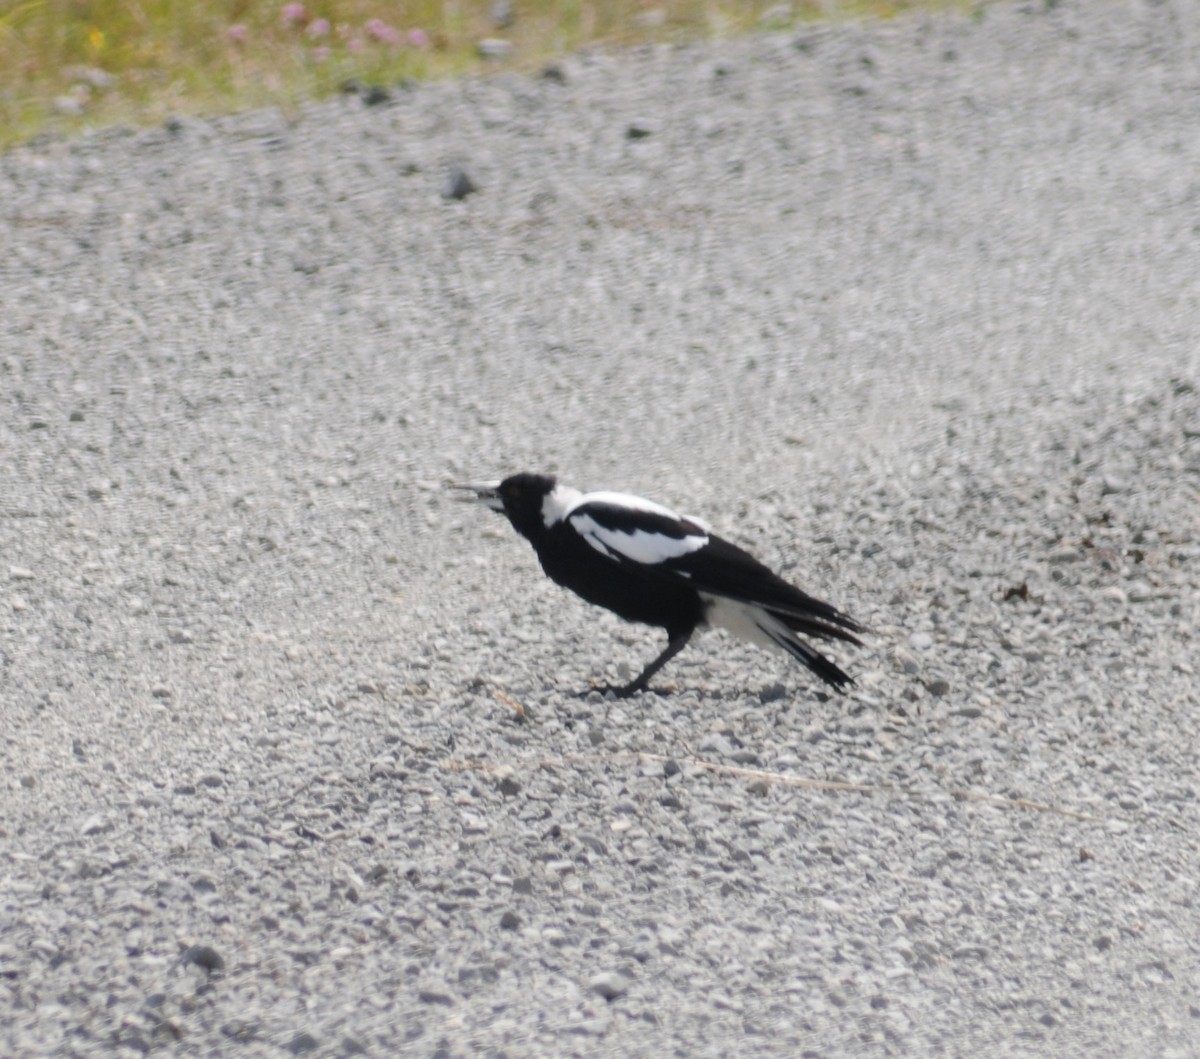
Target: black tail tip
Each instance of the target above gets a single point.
(834, 676)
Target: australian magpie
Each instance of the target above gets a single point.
(647, 564)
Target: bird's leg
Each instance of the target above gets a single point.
(675, 644)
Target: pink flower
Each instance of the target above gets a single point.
(382, 32)
(293, 14)
(318, 27)
(354, 45)
(320, 54)
(418, 38)
(236, 34)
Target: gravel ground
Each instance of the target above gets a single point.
(292, 760)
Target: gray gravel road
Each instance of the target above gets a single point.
(292, 763)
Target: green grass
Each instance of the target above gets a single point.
(66, 65)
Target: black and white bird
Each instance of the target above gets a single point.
(647, 564)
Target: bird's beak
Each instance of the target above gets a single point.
(486, 493)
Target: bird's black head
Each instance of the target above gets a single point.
(520, 497)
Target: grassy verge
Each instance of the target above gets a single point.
(66, 65)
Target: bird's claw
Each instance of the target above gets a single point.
(619, 691)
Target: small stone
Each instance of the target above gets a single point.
(715, 743)
(302, 1044)
(1140, 592)
(554, 72)
(920, 641)
(205, 957)
(494, 48)
(509, 787)
(161, 691)
(592, 842)
(938, 688)
(20, 573)
(374, 95)
(95, 825)
(92, 76)
(609, 984)
(1020, 592)
(510, 921)
(523, 885)
(432, 996)
(501, 13)
(772, 693)
(458, 186)
(71, 106)
(638, 130)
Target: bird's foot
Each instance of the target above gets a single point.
(619, 691)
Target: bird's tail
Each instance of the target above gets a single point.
(781, 630)
(828, 623)
(771, 628)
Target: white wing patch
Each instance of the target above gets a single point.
(572, 498)
(640, 546)
(625, 500)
